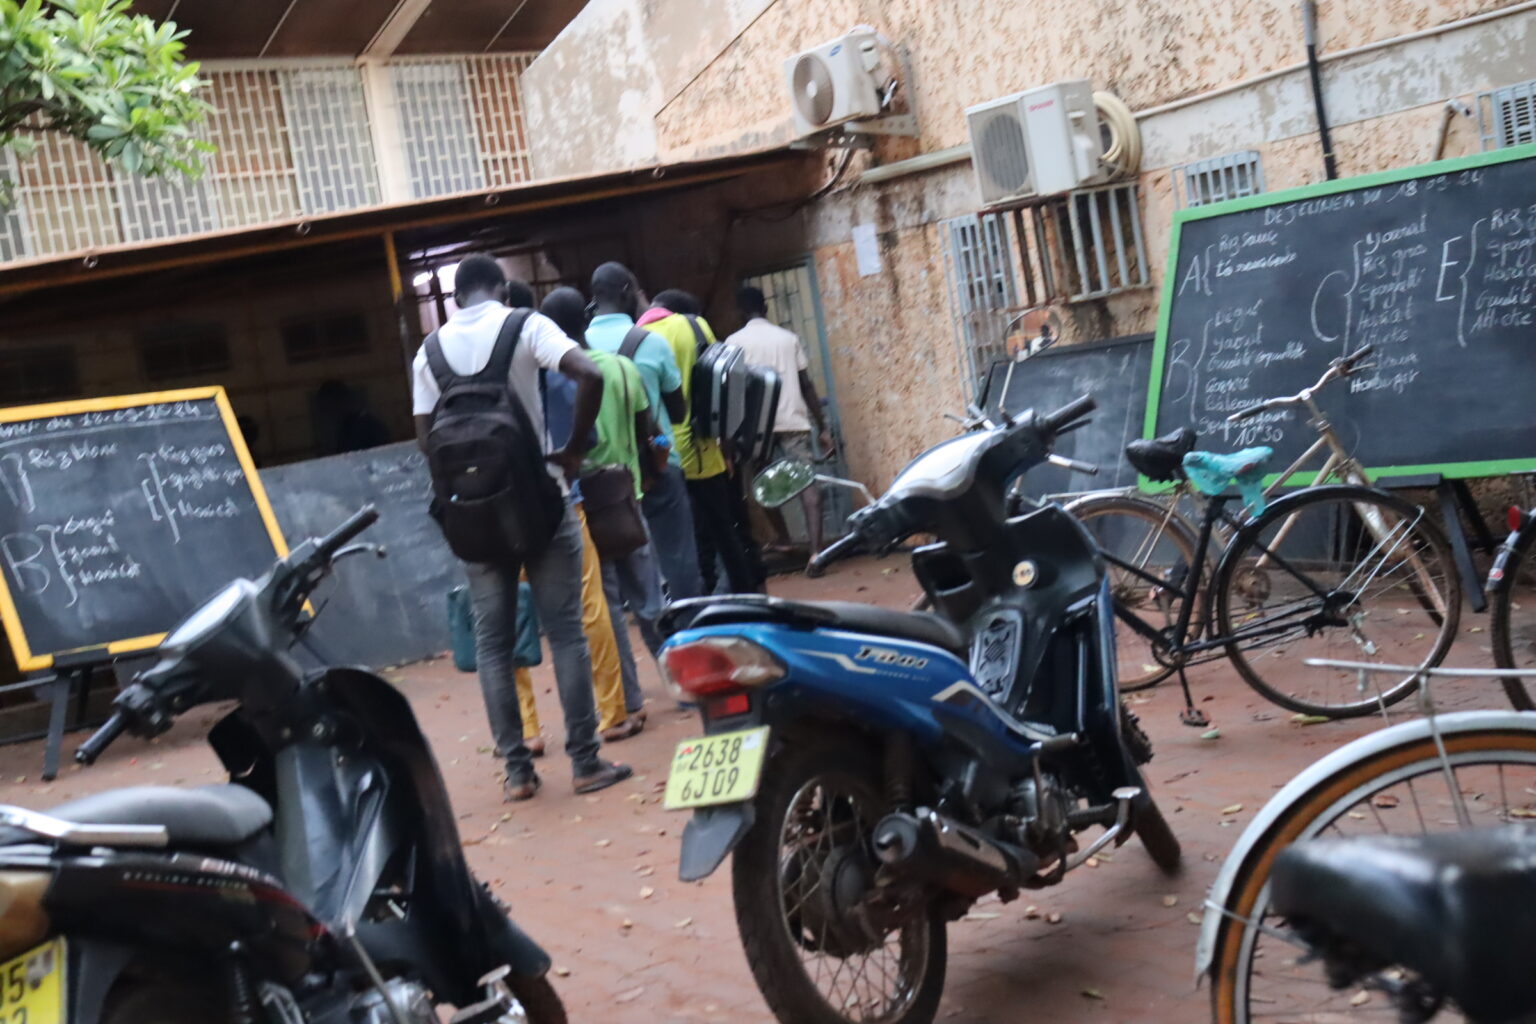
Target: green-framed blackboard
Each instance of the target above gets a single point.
(1434, 266)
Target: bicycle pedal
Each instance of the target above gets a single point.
(1194, 718)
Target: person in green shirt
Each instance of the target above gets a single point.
(717, 519)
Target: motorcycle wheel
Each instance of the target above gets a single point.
(1153, 831)
(541, 1003)
(806, 858)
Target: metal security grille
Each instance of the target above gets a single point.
(1097, 241)
(981, 289)
(1507, 116)
(495, 103)
(13, 228)
(331, 145)
(441, 154)
(251, 170)
(1219, 178)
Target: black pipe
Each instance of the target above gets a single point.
(1315, 70)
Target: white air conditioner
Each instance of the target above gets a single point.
(1039, 142)
(835, 83)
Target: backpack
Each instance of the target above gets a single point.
(760, 409)
(493, 495)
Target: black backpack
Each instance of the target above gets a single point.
(493, 494)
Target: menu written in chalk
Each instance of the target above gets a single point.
(119, 516)
(1434, 267)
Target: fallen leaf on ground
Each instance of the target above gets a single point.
(1091, 862)
(1180, 775)
(1522, 812)
(1309, 719)
(1093, 993)
(1054, 917)
(1360, 998)
(630, 996)
(626, 923)
(564, 972)
(975, 916)
(1031, 912)
(685, 922)
(1211, 734)
(1170, 901)
(1231, 808)
(647, 892)
(603, 842)
(1193, 917)
(645, 870)
(1385, 800)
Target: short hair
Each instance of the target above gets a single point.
(610, 280)
(750, 301)
(519, 295)
(478, 273)
(567, 307)
(678, 301)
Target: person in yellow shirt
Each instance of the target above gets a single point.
(675, 315)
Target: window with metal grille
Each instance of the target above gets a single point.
(1219, 178)
(38, 375)
(981, 288)
(437, 129)
(1084, 245)
(328, 129)
(1507, 116)
(183, 350)
(335, 334)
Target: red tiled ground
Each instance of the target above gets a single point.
(594, 878)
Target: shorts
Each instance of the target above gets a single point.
(792, 444)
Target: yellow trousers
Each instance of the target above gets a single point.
(607, 683)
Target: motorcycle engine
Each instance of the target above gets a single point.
(1043, 808)
(413, 1001)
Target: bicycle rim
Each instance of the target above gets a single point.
(1258, 976)
(1159, 542)
(1512, 625)
(1342, 572)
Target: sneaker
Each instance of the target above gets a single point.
(602, 775)
(522, 787)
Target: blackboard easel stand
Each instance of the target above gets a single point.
(1456, 508)
(71, 676)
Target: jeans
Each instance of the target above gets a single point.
(634, 580)
(714, 514)
(670, 518)
(556, 581)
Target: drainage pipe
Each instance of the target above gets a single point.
(1315, 72)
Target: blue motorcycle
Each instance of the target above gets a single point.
(877, 771)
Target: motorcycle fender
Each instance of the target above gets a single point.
(94, 967)
(712, 833)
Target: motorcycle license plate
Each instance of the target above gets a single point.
(720, 769)
(32, 986)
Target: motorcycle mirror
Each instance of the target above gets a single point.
(782, 481)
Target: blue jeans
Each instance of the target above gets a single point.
(634, 580)
(669, 514)
(555, 578)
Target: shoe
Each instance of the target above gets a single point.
(516, 790)
(535, 746)
(623, 731)
(814, 570)
(640, 716)
(605, 775)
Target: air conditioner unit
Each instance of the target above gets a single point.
(1039, 142)
(835, 83)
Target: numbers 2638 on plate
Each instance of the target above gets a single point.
(720, 769)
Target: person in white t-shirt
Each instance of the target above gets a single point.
(555, 577)
(764, 343)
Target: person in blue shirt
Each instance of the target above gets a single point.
(617, 300)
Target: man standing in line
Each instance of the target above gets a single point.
(466, 342)
(767, 344)
(673, 315)
(616, 296)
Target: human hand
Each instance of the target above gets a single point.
(828, 447)
(569, 460)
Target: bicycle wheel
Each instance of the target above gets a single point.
(1341, 572)
(1256, 973)
(1158, 541)
(1512, 609)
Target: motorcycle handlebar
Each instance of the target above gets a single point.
(839, 549)
(1076, 409)
(337, 538)
(101, 739)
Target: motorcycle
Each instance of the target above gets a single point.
(874, 772)
(324, 884)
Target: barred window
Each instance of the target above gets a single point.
(325, 337)
(183, 350)
(981, 287)
(39, 374)
(1507, 116)
(1221, 177)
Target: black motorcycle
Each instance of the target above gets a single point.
(325, 884)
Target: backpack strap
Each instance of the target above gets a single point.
(499, 365)
(698, 332)
(441, 371)
(632, 341)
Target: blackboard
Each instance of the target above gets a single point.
(118, 516)
(1434, 266)
(1115, 372)
(374, 611)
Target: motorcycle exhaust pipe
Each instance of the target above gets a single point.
(942, 851)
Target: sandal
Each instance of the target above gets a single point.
(623, 731)
(524, 788)
(606, 775)
(535, 746)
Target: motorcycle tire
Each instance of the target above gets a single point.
(1153, 831)
(758, 871)
(541, 1003)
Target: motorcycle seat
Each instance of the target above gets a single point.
(1161, 458)
(207, 816)
(1453, 907)
(919, 627)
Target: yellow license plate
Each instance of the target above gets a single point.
(32, 986)
(719, 769)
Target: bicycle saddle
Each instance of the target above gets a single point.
(1454, 907)
(1213, 473)
(1158, 458)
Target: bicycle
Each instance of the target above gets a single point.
(1512, 606)
(1437, 776)
(1342, 545)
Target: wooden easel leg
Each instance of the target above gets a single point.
(58, 711)
(1450, 512)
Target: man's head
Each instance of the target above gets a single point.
(615, 289)
(567, 307)
(751, 302)
(476, 279)
(678, 301)
(519, 295)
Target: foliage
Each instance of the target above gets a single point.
(90, 70)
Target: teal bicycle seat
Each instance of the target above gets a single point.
(1213, 473)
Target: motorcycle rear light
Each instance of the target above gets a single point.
(718, 664)
(728, 706)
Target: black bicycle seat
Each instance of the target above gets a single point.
(1162, 458)
(1453, 907)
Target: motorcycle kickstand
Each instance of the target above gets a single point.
(1191, 715)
